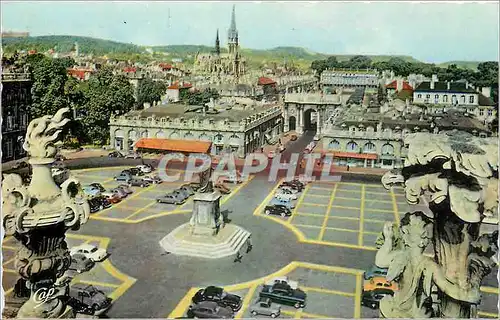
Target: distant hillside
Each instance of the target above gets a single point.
(86, 45)
(299, 56)
(461, 64)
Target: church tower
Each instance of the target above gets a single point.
(232, 34)
(217, 44)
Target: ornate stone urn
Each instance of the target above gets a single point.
(38, 216)
(457, 174)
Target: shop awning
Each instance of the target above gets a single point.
(369, 156)
(190, 146)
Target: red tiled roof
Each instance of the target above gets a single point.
(79, 73)
(129, 69)
(265, 81)
(166, 66)
(176, 85)
(394, 84)
(174, 145)
(370, 156)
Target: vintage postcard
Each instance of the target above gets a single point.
(249, 159)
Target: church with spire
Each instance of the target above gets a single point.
(222, 64)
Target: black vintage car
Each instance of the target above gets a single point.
(294, 184)
(278, 210)
(371, 299)
(218, 295)
(115, 154)
(98, 204)
(284, 294)
(135, 171)
(98, 186)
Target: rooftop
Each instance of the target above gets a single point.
(442, 86)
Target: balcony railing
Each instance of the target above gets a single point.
(15, 76)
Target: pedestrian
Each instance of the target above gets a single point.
(249, 244)
(238, 257)
(347, 167)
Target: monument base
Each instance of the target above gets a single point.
(181, 241)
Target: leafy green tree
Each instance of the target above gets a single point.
(359, 62)
(107, 94)
(150, 91)
(49, 79)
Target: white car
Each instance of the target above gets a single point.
(90, 251)
(283, 280)
(285, 194)
(144, 168)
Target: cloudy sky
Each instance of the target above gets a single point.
(433, 32)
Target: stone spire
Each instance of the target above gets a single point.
(233, 33)
(217, 43)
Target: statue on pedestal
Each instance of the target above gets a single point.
(38, 215)
(458, 172)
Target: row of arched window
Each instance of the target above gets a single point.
(445, 98)
(218, 138)
(369, 147)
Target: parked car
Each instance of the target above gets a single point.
(80, 307)
(92, 252)
(233, 177)
(126, 188)
(209, 310)
(181, 194)
(371, 299)
(89, 295)
(295, 182)
(285, 194)
(91, 191)
(138, 183)
(153, 179)
(135, 172)
(375, 271)
(264, 306)
(171, 198)
(379, 283)
(284, 294)
(186, 188)
(283, 280)
(145, 168)
(98, 186)
(218, 295)
(80, 263)
(60, 175)
(278, 210)
(112, 197)
(222, 188)
(98, 203)
(282, 202)
(124, 176)
(120, 192)
(20, 164)
(115, 154)
(60, 157)
(133, 155)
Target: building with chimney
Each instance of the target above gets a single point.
(219, 64)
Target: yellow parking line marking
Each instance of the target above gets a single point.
(395, 207)
(490, 289)
(379, 201)
(377, 193)
(322, 267)
(309, 214)
(246, 301)
(487, 314)
(320, 188)
(314, 204)
(376, 221)
(96, 283)
(344, 218)
(350, 183)
(318, 195)
(298, 314)
(140, 210)
(361, 216)
(326, 228)
(266, 200)
(347, 198)
(181, 308)
(9, 247)
(299, 203)
(127, 281)
(328, 209)
(108, 219)
(9, 291)
(344, 207)
(328, 291)
(305, 314)
(357, 297)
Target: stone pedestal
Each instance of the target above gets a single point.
(205, 235)
(206, 218)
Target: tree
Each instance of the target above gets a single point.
(150, 91)
(107, 95)
(49, 79)
(359, 62)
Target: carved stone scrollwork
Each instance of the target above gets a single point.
(38, 215)
(458, 174)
